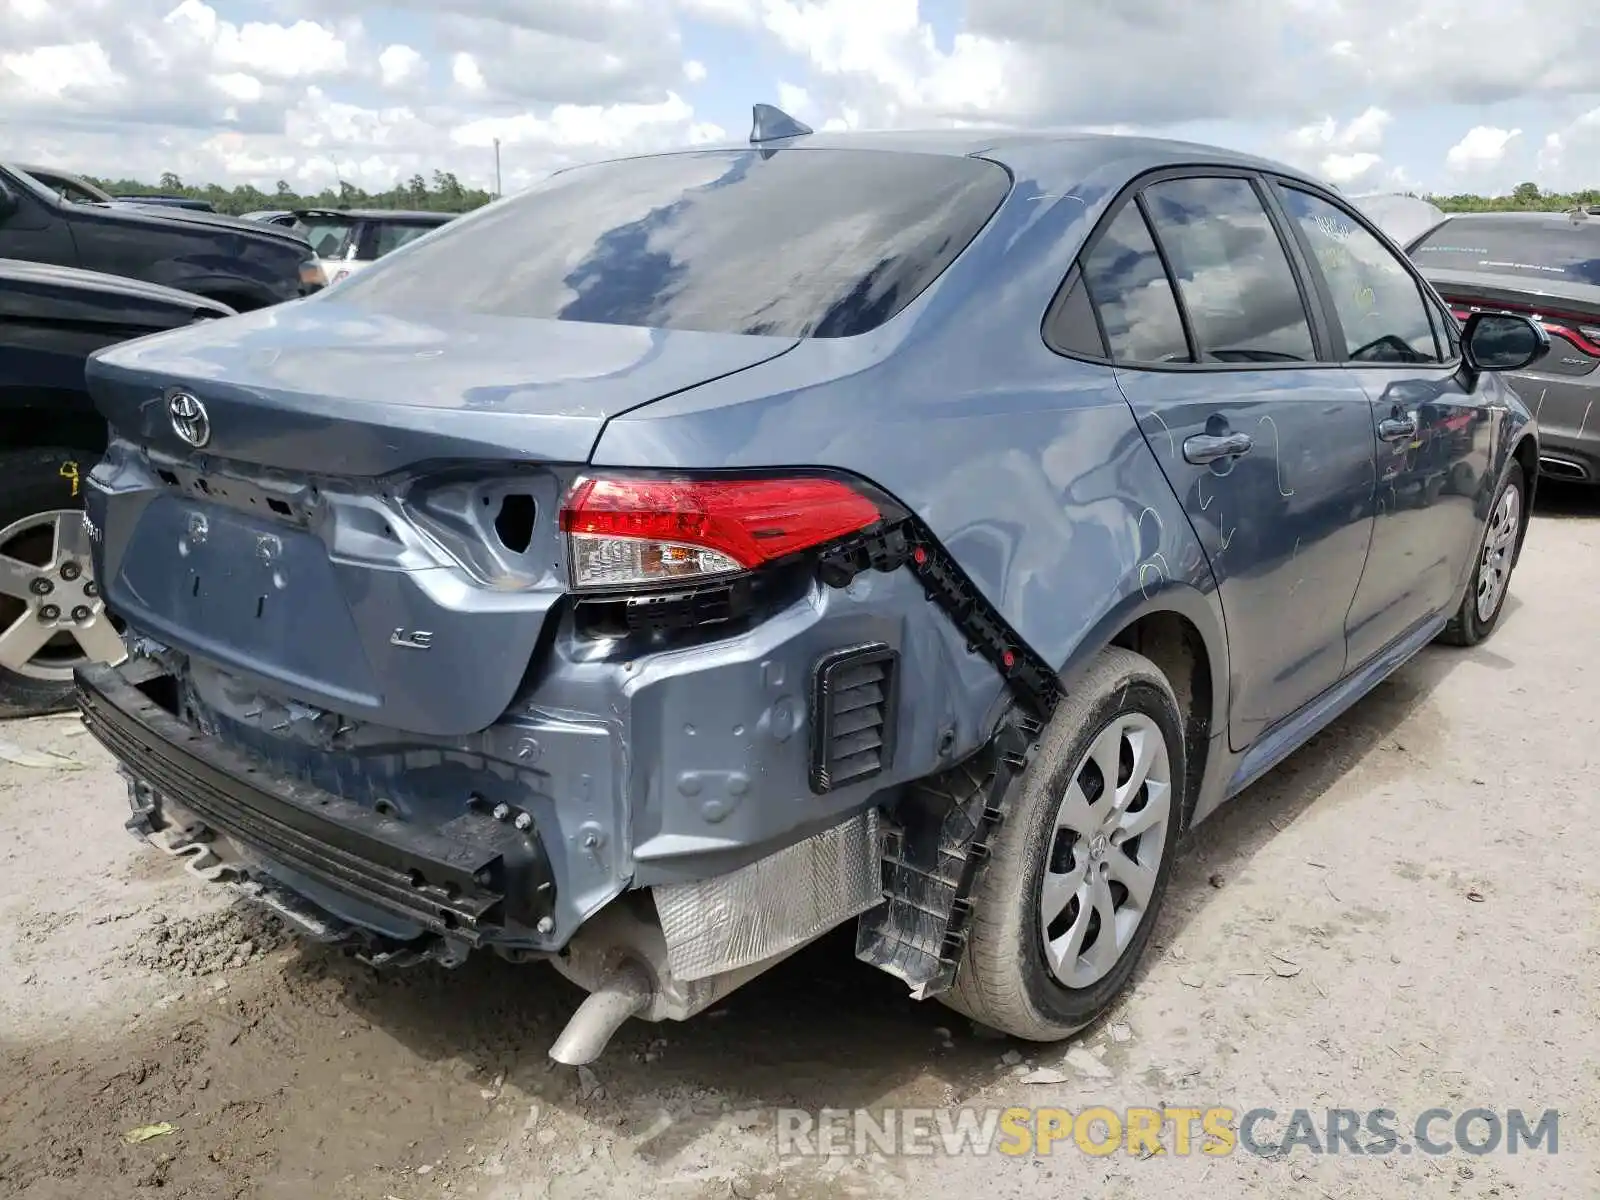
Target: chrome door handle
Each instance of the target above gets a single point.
(1205, 448)
(1397, 429)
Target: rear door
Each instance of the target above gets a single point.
(1432, 427)
(1201, 309)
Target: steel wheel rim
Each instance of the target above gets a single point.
(1105, 850)
(1494, 569)
(52, 619)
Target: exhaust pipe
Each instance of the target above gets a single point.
(624, 992)
(1560, 468)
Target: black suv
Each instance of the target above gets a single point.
(243, 264)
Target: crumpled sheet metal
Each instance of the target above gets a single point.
(774, 904)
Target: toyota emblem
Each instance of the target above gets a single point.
(189, 418)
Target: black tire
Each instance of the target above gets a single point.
(1467, 627)
(1004, 980)
(32, 482)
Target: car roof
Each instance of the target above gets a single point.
(1055, 157)
(377, 214)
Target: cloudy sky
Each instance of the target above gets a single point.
(1459, 95)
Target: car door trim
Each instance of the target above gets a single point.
(1311, 298)
(1425, 292)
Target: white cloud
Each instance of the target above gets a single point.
(1483, 146)
(793, 99)
(1569, 157)
(399, 65)
(302, 50)
(238, 86)
(738, 13)
(59, 72)
(576, 126)
(1348, 169)
(465, 71)
(303, 89)
(1348, 154)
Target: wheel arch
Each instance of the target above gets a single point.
(1180, 629)
(1526, 454)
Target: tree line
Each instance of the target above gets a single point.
(445, 193)
(1525, 197)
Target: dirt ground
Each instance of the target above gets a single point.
(1406, 915)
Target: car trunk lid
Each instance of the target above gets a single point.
(321, 388)
(323, 545)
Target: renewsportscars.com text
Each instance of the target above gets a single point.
(1146, 1131)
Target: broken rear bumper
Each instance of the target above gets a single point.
(474, 881)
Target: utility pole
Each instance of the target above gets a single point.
(497, 192)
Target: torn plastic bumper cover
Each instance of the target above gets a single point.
(463, 883)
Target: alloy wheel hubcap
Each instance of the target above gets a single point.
(52, 617)
(1494, 571)
(1109, 837)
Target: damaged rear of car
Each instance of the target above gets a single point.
(411, 664)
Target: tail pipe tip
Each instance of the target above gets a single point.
(625, 992)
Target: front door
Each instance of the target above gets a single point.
(31, 228)
(1269, 448)
(1431, 424)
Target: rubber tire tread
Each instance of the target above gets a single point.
(1464, 628)
(999, 982)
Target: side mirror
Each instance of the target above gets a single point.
(9, 204)
(1503, 341)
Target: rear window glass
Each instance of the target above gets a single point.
(329, 237)
(791, 243)
(391, 237)
(1546, 250)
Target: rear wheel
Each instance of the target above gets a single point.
(52, 618)
(1490, 583)
(1078, 870)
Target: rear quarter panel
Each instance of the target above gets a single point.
(1028, 467)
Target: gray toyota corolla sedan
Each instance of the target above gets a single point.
(653, 570)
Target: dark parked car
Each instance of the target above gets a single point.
(188, 202)
(1546, 265)
(78, 190)
(242, 264)
(51, 318)
(271, 216)
(659, 567)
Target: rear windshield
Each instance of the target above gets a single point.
(1568, 252)
(792, 243)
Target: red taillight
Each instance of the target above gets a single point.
(627, 532)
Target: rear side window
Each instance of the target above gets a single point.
(329, 238)
(1231, 270)
(391, 237)
(1131, 293)
(1378, 301)
(1565, 252)
(792, 243)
